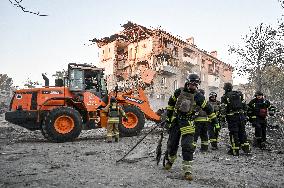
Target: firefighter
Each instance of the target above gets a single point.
(236, 119)
(258, 109)
(180, 119)
(213, 131)
(201, 122)
(114, 112)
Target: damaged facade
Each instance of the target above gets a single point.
(159, 61)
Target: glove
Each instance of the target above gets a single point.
(168, 124)
(126, 118)
(217, 127)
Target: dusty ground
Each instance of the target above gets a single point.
(28, 160)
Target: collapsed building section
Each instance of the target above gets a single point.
(158, 61)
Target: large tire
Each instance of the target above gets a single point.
(135, 123)
(62, 125)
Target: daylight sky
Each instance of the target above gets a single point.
(31, 45)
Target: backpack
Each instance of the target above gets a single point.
(185, 100)
(113, 111)
(234, 101)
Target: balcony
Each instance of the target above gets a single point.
(213, 81)
(189, 60)
(167, 69)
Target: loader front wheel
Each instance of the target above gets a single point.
(62, 124)
(135, 122)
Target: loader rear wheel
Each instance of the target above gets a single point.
(62, 125)
(135, 123)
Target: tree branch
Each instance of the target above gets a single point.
(16, 3)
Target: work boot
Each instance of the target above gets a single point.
(230, 152)
(109, 139)
(116, 139)
(262, 145)
(214, 146)
(204, 148)
(188, 176)
(168, 165)
(246, 148)
(187, 168)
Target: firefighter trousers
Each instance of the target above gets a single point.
(112, 131)
(201, 128)
(237, 133)
(181, 129)
(213, 134)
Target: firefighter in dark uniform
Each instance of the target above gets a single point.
(182, 106)
(212, 130)
(236, 119)
(114, 112)
(201, 122)
(258, 109)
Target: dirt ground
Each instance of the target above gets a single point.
(28, 160)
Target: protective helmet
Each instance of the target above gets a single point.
(112, 99)
(258, 93)
(193, 79)
(228, 86)
(201, 91)
(212, 94)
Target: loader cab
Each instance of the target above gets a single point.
(83, 77)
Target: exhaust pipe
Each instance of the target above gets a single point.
(46, 80)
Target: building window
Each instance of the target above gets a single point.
(163, 82)
(130, 53)
(175, 85)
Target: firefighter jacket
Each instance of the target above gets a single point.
(114, 112)
(216, 106)
(234, 103)
(197, 102)
(258, 108)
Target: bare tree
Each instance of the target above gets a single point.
(17, 3)
(5, 82)
(31, 84)
(262, 48)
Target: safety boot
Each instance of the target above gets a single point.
(116, 139)
(214, 146)
(234, 153)
(109, 139)
(188, 176)
(204, 148)
(168, 165)
(187, 167)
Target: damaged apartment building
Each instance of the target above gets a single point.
(159, 62)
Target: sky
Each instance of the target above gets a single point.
(31, 45)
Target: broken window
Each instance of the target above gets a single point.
(163, 82)
(175, 84)
(130, 53)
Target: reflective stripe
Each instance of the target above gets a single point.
(204, 143)
(254, 117)
(170, 107)
(212, 116)
(174, 98)
(245, 144)
(187, 166)
(194, 144)
(187, 130)
(201, 119)
(234, 147)
(204, 104)
(213, 140)
(113, 120)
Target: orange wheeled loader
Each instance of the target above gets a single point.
(62, 111)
